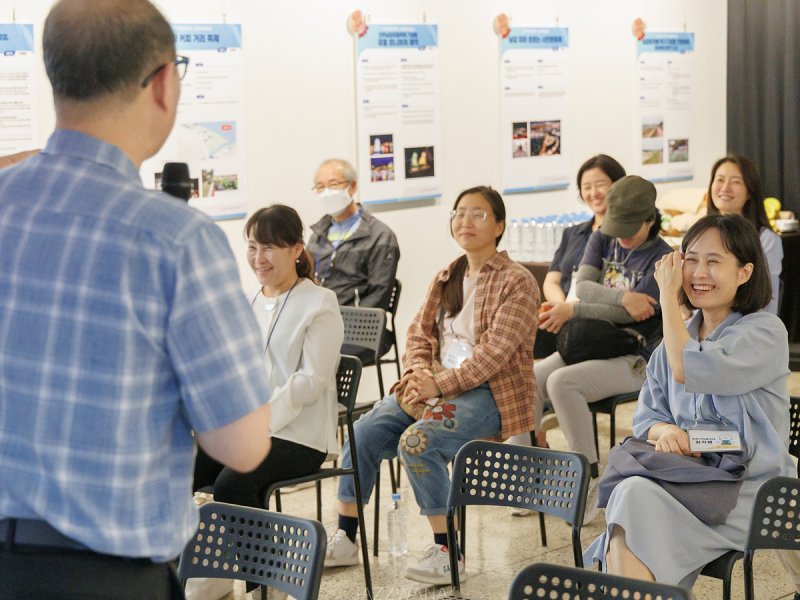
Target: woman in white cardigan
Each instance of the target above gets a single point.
(302, 333)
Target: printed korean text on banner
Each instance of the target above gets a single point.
(210, 121)
(664, 65)
(534, 82)
(17, 89)
(398, 113)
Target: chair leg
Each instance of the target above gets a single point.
(319, 501)
(749, 591)
(462, 525)
(452, 548)
(596, 437)
(392, 477)
(576, 547)
(398, 469)
(612, 434)
(360, 509)
(376, 496)
(542, 530)
(380, 374)
(278, 501)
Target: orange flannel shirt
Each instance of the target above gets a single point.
(506, 317)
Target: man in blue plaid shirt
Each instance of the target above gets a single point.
(123, 327)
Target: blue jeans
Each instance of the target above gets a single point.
(425, 447)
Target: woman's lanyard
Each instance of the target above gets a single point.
(277, 316)
(712, 437)
(717, 414)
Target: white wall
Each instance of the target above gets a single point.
(299, 99)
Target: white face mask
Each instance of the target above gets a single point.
(334, 201)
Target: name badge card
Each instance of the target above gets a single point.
(457, 353)
(708, 438)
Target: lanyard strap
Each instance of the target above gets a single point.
(713, 407)
(278, 315)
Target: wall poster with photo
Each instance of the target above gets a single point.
(18, 89)
(534, 84)
(207, 132)
(664, 65)
(398, 112)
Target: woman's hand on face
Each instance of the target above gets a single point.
(553, 315)
(669, 274)
(639, 306)
(671, 438)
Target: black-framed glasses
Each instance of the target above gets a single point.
(333, 184)
(181, 64)
(475, 214)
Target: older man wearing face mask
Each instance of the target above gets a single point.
(355, 254)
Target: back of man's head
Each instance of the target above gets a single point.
(97, 48)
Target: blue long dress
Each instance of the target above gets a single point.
(742, 369)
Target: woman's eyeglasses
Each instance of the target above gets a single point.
(475, 214)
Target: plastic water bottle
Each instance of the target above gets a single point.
(514, 240)
(541, 246)
(396, 520)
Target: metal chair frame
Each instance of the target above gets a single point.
(539, 479)
(608, 406)
(794, 429)
(259, 546)
(348, 377)
(774, 525)
(541, 580)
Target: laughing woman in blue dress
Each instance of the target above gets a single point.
(727, 365)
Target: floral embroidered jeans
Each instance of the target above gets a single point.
(425, 446)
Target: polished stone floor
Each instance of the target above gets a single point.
(498, 545)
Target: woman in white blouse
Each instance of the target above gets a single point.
(302, 333)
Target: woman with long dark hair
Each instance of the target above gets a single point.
(468, 375)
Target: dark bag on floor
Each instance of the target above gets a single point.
(596, 339)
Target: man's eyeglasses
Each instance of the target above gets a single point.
(181, 64)
(475, 214)
(333, 184)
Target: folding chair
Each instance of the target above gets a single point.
(348, 377)
(794, 429)
(539, 479)
(556, 581)
(270, 549)
(391, 310)
(608, 406)
(774, 525)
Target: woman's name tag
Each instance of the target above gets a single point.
(457, 353)
(708, 438)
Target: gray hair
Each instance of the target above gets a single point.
(92, 49)
(348, 171)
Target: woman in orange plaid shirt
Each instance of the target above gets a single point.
(468, 375)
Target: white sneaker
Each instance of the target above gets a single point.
(592, 510)
(434, 567)
(204, 588)
(341, 551)
(516, 511)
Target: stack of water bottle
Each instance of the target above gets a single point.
(535, 239)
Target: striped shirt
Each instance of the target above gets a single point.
(123, 327)
(506, 318)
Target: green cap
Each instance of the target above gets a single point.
(631, 201)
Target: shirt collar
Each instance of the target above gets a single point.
(74, 144)
(697, 318)
(496, 263)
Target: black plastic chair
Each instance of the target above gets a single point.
(539, 479)
(364, 327)
(391, 309)
(255, 545)
(774, 525)
(348, 377)
(794, 429)
(542, 580)
(608, 406)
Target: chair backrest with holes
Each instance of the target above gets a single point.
(348, 376)
(556, 581)
(239, 542)
(363, 326)
(507, 475)
(794, 426)
(775, 521)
